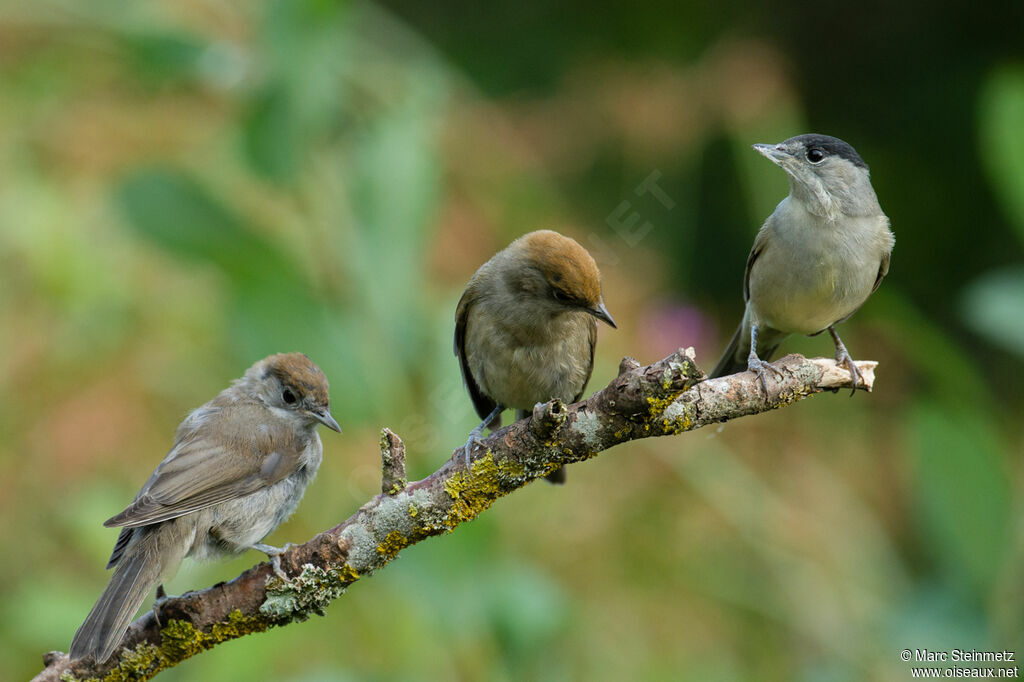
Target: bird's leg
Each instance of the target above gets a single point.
(474, 435)
(843, 358)
(757, 365)
(274, 554)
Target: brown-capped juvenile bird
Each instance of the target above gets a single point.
(238, 468)
(817, 258)
(525, 328)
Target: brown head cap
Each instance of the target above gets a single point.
(297, 371)
(568, 267)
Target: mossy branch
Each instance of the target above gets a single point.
(665, 398)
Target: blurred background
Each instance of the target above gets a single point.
(186, 187)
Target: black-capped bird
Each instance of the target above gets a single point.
(817, 258)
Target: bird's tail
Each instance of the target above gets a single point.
(734, 358)
(136, 574)
(557, 476)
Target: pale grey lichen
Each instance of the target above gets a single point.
(588, 424)
(362, 547)
(309, 592)
(423, 509)
(393, 515)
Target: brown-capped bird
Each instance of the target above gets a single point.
(525, 328)
(238, 468)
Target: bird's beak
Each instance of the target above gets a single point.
(327, 420)
(601, 313)
(774, 153)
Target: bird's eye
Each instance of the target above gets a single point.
(561, 296)
(288, 396)
(815, 155)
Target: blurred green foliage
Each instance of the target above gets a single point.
(187, 187)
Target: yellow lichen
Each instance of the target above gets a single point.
(348, 574)
(474, 492)
(180, 640)
(413, 511)
(678, 425)
(655, 406)
(392, 544)
(792, 396)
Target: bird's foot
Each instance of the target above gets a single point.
(473, 440)
(274, 554)
(761, 369)
(493, 420)
(843, 358)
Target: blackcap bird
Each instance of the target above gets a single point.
(238, 468)
(525, 328)
(817, 258)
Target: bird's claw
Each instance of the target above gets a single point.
(843, 358)
(467, 449)
(759, 367)
(274, 554)
(493, 420)
(275, 563)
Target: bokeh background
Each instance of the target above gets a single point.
(188, 186)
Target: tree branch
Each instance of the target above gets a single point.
(665, 398)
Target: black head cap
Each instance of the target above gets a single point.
(832, 146)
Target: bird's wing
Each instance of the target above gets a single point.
(883, 269)
(483, 404)
(205, 468)
(760, 242)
